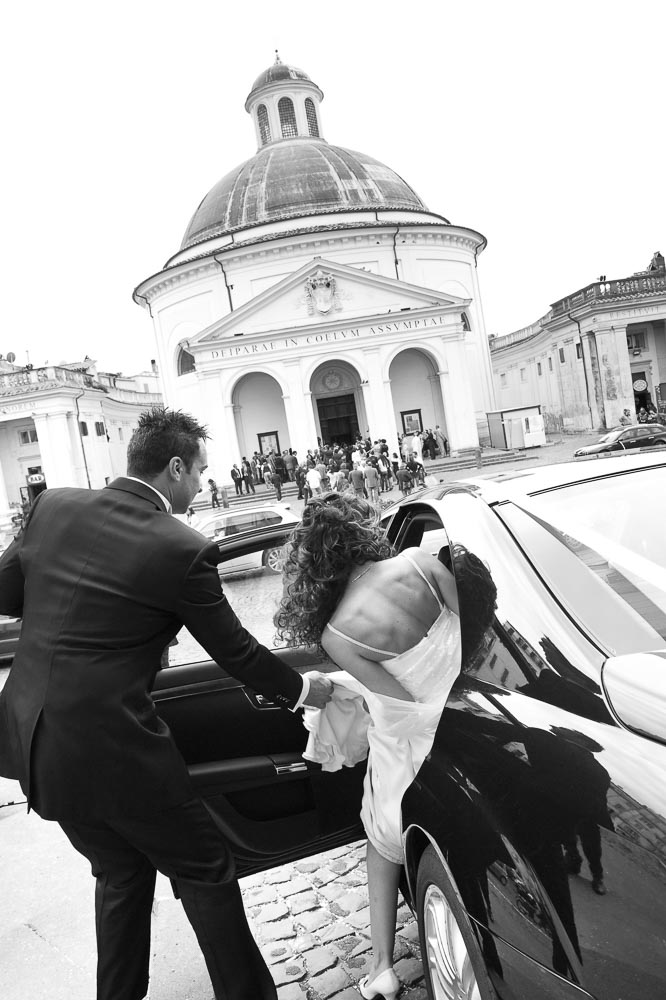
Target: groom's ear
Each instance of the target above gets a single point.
(175, 468)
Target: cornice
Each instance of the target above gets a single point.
(295, 244)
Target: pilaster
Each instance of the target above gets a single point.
(461, 426)
(614, 373)
(299, 410)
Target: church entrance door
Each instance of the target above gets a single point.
(338, 419)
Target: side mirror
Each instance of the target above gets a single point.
(635, 688)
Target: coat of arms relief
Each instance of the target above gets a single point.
(321, 294)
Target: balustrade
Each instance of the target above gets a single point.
(622, 288)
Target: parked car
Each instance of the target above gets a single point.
(10, 630)
(624, 438)
(242, 520)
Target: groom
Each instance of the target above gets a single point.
(103, 580)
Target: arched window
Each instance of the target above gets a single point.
(465, 322)
(185, 362)
(287, 117)
(311, 115)
(264, 124)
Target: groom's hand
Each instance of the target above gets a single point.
(321, 690)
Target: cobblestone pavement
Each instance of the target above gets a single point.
(311, 920)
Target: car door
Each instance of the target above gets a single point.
(245, 754)
(529, 771)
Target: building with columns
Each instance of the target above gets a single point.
(65, 425)
(595, 352)
(315, 296)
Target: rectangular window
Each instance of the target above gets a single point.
(99, 428)
(538, 368)
(503, 379)
(636, 341)
(523, 375)
(28, 437)
(120, 434)
(550, 364)
(561, 353)
(84, 428)
(579, 350)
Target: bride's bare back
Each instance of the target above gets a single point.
(388, 607)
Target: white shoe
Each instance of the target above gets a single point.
(386, 984)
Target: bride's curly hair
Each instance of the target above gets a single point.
(337, 533)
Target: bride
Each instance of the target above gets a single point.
(392, 622)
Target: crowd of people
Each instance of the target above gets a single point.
(365, 468)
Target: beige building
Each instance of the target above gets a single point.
(315, 296)
(595, 352)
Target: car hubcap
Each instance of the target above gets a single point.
(275, 560)
(451, 972)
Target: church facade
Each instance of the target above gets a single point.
(315, 297)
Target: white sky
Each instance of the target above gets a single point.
(540, 125)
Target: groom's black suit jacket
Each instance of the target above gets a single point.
(103, 580)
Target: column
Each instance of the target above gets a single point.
(614, 372)
(6, 526)
(60, 465)
(461, 427)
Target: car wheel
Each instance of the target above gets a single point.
(659, 441)
(452, 960)
(274, 559)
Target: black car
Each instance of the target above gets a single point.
(535, 831)
(625, 438)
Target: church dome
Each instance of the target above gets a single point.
(276, 73)
(296, 178)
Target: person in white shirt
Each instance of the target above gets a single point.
(313, 478)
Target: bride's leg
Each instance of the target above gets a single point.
(383, 880)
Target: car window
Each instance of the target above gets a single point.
(247, 521)
(531, 642)
(613, 527)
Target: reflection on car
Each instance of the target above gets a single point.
(626, 438)
(535, 831)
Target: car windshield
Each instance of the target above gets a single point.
(615, 527)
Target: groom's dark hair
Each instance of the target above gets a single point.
(161, 435)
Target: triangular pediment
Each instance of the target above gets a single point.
(325, 292)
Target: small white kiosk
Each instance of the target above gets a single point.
(516, 427)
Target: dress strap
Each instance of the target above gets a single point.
(425, 578)
(356, 642)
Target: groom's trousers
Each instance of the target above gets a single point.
(184, 844)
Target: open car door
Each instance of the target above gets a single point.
(245, 754)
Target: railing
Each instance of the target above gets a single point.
(518, 336)
(54, 375)
(601, 291)
(24, 379)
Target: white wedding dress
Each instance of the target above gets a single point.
(397, 735)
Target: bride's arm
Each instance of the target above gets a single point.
(364, 665)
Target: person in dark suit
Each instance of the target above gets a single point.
(103, 580)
